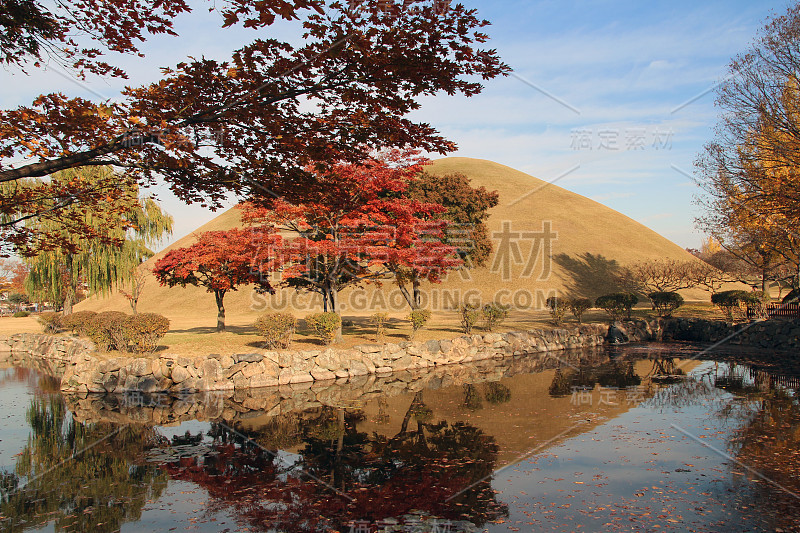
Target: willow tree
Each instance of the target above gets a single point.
(129, 225)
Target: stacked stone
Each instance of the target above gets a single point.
(773, 334)
(84, 371)
(175, 374)
(232, 406)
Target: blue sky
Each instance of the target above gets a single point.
(612, 99)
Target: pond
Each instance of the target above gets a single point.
(633, 438)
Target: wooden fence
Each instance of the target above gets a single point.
(786, 310)
(774, 310)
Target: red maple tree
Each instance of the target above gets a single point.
(221, 261)
(360, 226)
(256, 121)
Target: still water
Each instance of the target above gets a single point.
(640, 438)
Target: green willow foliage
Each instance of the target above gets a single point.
(78, 477)
(100, 264)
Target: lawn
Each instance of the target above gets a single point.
(193, 338)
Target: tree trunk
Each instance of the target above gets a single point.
(333, 296)
(796, 280)
(219, 295)
(407, 295)
(415, 283)
(69, 289)
(69, 299)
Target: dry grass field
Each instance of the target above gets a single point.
(241, 337)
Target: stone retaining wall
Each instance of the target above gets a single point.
(776, 334)
(46, 353)
(80, 370)
(85, 372)
(244, 404)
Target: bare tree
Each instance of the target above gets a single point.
(662, 275)
(137, 281)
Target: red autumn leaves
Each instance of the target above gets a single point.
(357, 225)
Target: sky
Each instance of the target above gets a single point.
(613, 100)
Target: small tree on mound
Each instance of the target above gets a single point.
(664, 303)
(617, 304)
(578, 306)
(221, 261)
(470, 313)
(379, 320)
(418, 318)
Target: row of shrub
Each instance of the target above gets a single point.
(617, 305)
(111, 330)
(278, 329)
(492, 315)
(736, 304)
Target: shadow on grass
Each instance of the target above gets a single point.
(590, 275)
(236, 330)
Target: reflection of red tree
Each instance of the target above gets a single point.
(375, 479)
(263, 500)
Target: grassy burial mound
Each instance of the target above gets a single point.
(588, 243)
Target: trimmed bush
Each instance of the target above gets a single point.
(379, 320)
(143, 331)
(494, 314)
(51, 322)
(578, 306)
(418, 318)
(735, 303)
(21, 314)
(106, 329)
(277, 329)
(558, 308)
(76, 322)
(664, 303)
(617, 304)
(470, 313)
(325, 325)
